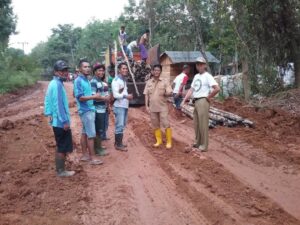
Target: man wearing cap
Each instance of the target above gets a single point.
(86, 109)
(99, 86)
(179, 84)
(156, 93)
(56, 107)
(203, 88)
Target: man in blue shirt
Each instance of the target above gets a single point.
(56, 107)
(86, 110)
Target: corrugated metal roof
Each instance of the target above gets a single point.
(186, 57)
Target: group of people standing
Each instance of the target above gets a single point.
(95, 97)
(142, 42)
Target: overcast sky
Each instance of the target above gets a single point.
(37, 17)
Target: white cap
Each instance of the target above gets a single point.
(201, 60)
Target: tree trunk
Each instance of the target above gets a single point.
(297, 69)
(246, 85)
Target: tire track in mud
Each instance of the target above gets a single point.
(131, 188)
(213, 190)
(275, 179)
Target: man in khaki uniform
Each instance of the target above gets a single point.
(204, 88)
(156, 92)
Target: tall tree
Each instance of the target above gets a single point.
(7, 21)
(270, 35)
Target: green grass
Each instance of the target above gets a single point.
(13, 80)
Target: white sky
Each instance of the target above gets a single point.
(36, 18)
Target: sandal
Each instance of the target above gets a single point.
(96, 162)
(85, 158)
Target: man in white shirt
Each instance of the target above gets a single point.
(130, 47)
(123, 38)
(204, 88)
(179, 84)
(121, 104)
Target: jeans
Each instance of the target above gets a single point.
(120, 119)
(177, 101)
(88, 124)
(106, 124)
(130, 53)
(125, 49)
(100, 123)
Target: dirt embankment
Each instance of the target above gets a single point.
(277, 130)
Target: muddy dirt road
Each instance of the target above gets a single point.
(241, 180)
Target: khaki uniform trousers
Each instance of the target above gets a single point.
(160, 119)
(201, 123)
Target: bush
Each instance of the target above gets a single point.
(17, 70)
(13, 80)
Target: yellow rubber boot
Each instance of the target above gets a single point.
(157, 133)
(169, 138)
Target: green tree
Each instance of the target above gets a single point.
(269, 34)
(96, 37)
(62, 44)
(7, 22)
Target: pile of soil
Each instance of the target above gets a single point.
(30, 192)
(276, 130)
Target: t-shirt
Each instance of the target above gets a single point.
(123, 37)
(109, 81)
(98, 86)
(180, 79)
(132, 45)
(202, 84)
(82, 87)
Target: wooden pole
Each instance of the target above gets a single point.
(116, 55)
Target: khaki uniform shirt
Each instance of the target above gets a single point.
(156, 90)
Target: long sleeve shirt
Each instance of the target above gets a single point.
(56, 103)
(119, 90)
(82, 87)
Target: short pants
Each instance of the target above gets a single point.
(88, 124)
(63, 140)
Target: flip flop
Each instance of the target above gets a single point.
(96, 162)
(85, 158)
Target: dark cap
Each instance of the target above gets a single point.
(185, 66)
(97, 66)
(60, 65)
